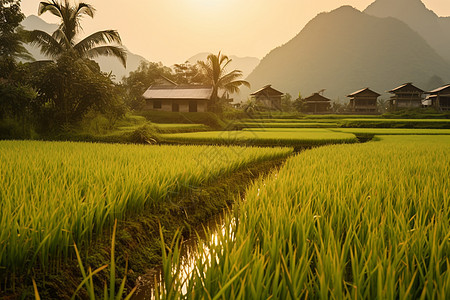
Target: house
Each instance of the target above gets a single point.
(364, 100)
(268, 97)
(406, 96)
(316, 104)
(166, 95)
(439, 98)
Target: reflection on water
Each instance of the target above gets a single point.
(192, 248)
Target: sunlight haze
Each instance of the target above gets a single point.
(171, 31)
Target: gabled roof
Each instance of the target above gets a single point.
(164, 81)
(366, 90)
(440, 89)
(409, 84)
(266, 89)
(316, 97)
(182, 92)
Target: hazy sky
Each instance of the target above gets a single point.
(171, 31)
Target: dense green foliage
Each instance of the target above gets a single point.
(366, 221)
(55, 193)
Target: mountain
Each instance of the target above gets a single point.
(107, 64)
(346, 50)
(434, 29)
(245, 64)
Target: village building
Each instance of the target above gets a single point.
(316, 104)
(406, 96)
(166, 95)
(364, 101)
(268, 97)
(439, 98)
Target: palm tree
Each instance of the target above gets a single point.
(214, 69)
(63, 39)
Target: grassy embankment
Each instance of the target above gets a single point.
(57, 193)
(300, 139)
(373, 131)
(366, 221)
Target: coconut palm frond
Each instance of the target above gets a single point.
(97, 39)
(51, 6)
(206, 69)
(114, 51)
(49, 46)
(85, 9)
(234, 86)
(62, 39)
(230, 77)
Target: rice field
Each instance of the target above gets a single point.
(306, 137)
(397, 123)
(168, 128)
(287, 124)
(55, 193)
(394, 131)
(365, 221)
(374, 131)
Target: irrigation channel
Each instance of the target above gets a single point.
(209, 231)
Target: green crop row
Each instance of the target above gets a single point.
(53, 194)
(366, 221)
(306, 138)
(394, 131)
(397, 123)
(286, 125)
(357, 131)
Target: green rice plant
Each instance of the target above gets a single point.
(396, 123)
(394, 131)
(286, 125)
(298, 138)
(53, 194)
(88, 277)
(365, 221)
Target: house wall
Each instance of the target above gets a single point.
(183, 105)
(364, 104)
(270, 102)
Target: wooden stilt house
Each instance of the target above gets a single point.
(439, 98)
(406, 96)
(364, 101)
(268, 97)
(316, 104)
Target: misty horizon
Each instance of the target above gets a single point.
(205, 27)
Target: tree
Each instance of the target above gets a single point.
(68, 89)
(138, 81)
(215, 71)
(188, 73)
(15, 94)
(63, 40)
(286, 102)
(11, 36)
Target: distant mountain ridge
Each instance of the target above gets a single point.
(245, 64)
(346, 50)
(434, 29)
(107, 64)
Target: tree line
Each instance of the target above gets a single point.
(56, 94)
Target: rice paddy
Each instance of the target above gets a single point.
(53, 194)
(374, 131)
(365, 221)
(298, 138)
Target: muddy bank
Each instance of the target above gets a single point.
(138, 237)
